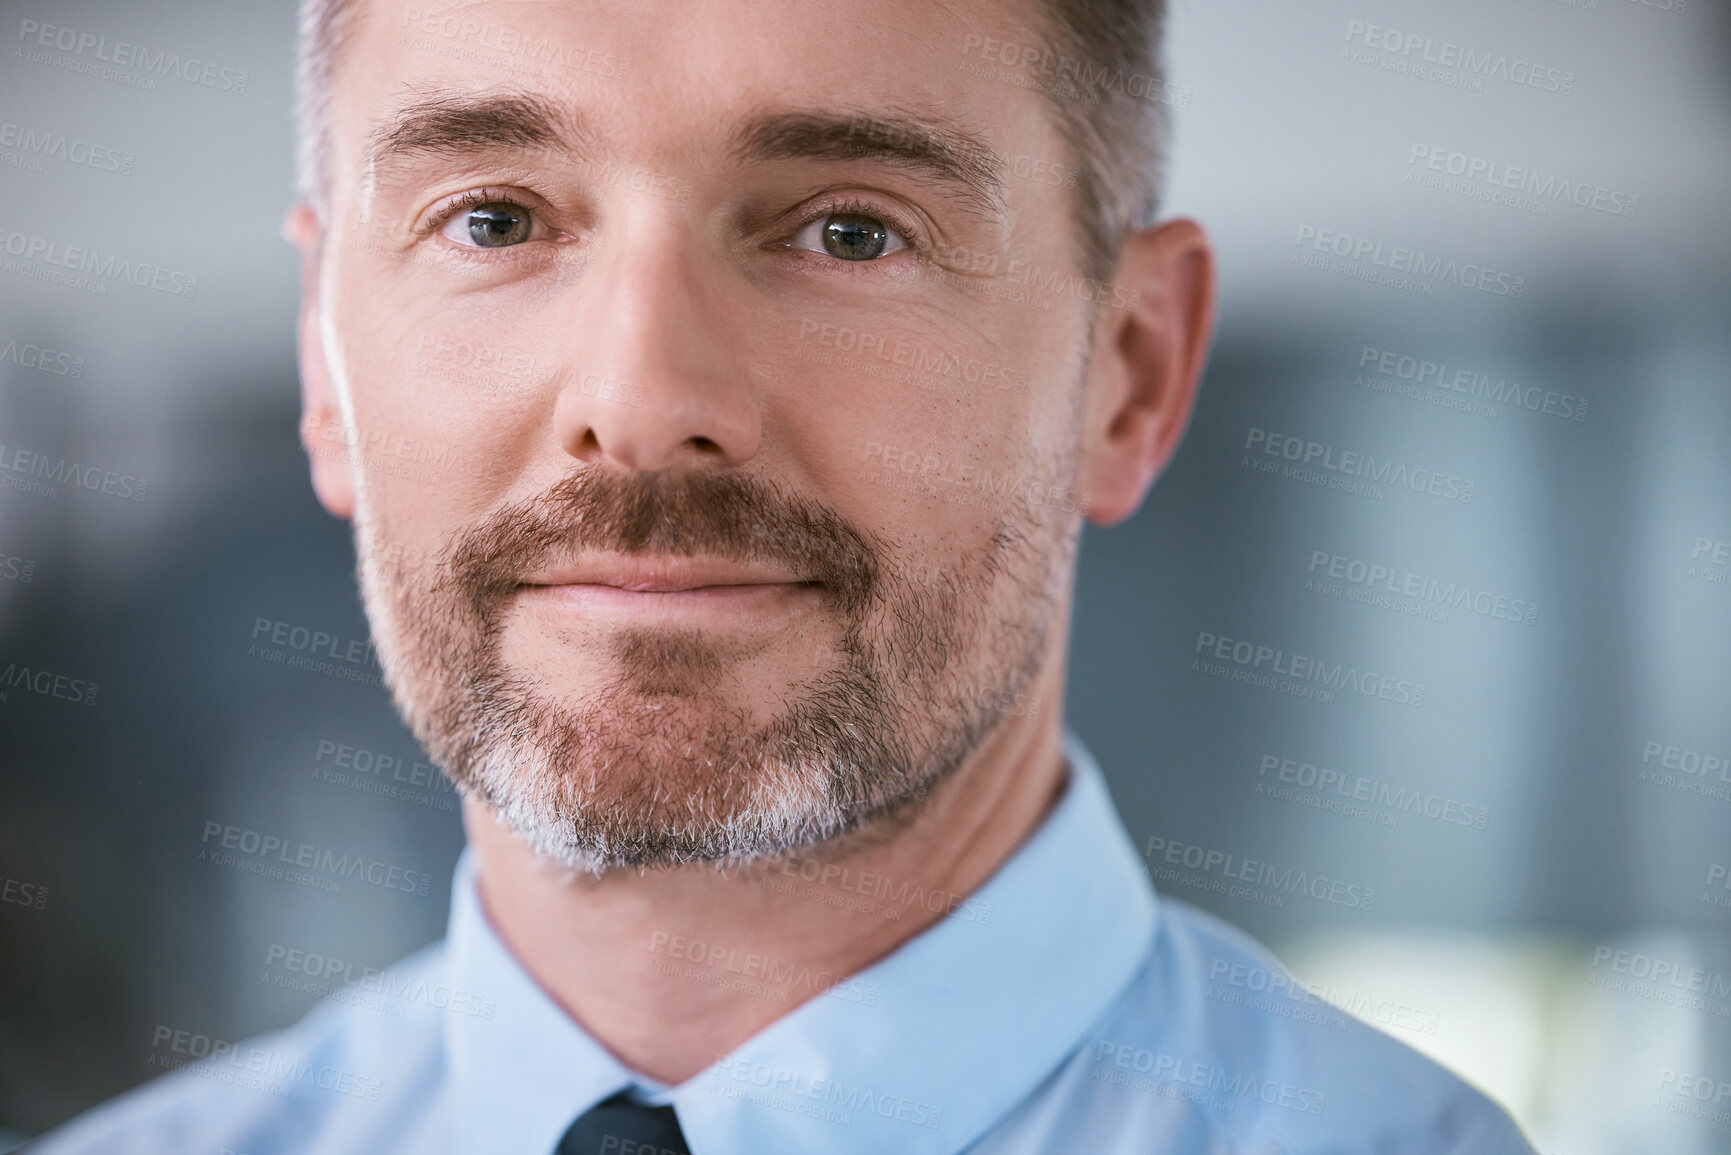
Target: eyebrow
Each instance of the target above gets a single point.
(947, 154)
(465, 124)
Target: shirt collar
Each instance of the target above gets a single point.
(922, 1052)
(521, 1068)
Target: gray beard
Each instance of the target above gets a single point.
(654, 768)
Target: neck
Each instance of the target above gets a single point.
(637, 957)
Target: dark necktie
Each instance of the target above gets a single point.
(620, 1127)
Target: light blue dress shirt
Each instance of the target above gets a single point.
(1062, 1009)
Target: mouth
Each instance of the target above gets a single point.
(679, 586)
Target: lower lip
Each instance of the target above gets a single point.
(704, 601)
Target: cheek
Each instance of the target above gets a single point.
(929, 432)
(444, 414)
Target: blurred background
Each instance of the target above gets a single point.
(1517, 283)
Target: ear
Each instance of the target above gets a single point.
(1147, 365)
(321, 419)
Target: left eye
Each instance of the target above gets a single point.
(850, 237)
(491, 226)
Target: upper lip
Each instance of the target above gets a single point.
(659, 574)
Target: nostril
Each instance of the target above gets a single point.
(588, 446)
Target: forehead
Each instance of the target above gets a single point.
(677, 78)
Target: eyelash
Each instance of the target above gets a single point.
(910, 233)
(474, 198)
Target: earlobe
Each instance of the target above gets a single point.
(321, 427)
(1147, 366)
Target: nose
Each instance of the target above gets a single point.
(659, 377)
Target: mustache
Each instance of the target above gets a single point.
(687, 513)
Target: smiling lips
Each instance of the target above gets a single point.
(661, 575)
(620, 582)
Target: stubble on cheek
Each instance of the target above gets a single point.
(660, 760)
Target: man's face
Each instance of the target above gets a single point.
(709, 380)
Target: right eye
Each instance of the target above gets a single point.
(850, 237)
(495, 225)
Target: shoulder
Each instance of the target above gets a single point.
(1213, 1049)
(1216, 1012)
(338, 1074)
